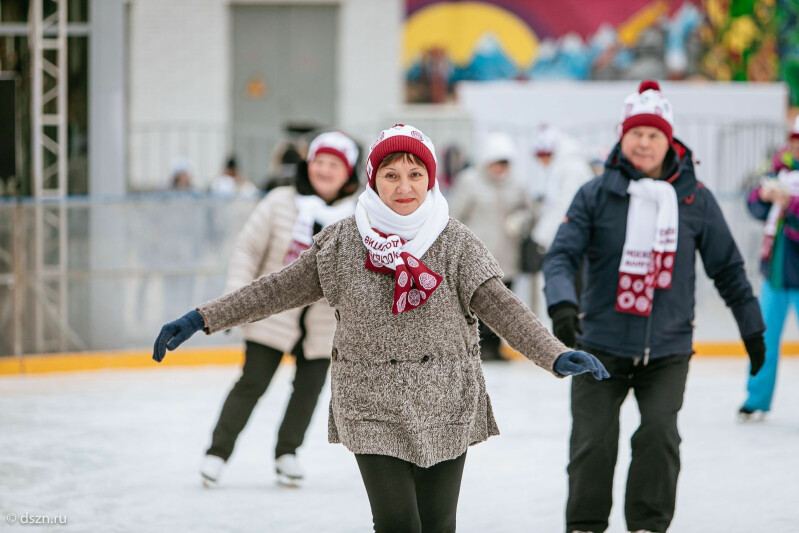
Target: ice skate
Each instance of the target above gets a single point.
(748, 415)
(288, 470)
(210, 470)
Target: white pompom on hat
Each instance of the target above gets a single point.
(648, 107)
(794, 134)
(335, 143)
(402, 138)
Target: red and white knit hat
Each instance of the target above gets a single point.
(648, 107)
(794, 134)
(337, 144)
(402, 138)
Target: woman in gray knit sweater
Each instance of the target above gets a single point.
(408, 395)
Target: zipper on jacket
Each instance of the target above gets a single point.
(648, 336)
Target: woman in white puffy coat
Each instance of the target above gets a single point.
(279, 229)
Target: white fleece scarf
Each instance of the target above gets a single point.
(788, 179)
(313, 209)
(395, 244)
(647, 261)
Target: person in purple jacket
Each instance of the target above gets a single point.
(776, 201)
(639, 228)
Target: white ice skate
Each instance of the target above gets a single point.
(748, 415)
(210, 470)
(289, 472)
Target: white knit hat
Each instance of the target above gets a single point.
(648, 107)
(402, 138)
(545, 141)
(498, 147)
(337, 144)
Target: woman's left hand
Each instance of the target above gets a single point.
(579, 362)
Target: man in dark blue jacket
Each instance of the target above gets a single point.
(638, 309)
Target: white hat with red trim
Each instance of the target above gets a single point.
(545, 141)
(794, 134)
(337, 144)
(648, 107)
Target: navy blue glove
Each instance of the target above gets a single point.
(174, 333)
(577, 362)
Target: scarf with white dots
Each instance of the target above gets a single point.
(650, 245)
(396, 244)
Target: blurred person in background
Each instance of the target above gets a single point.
(776, 201)
(408, 282)
(180, 177)
(231, 182)
(491, 200)
(558, 171)
(454, 162)
(285, 159)
(787, 157)
(280, 228)
(649, 211)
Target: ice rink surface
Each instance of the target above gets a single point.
(119, 451)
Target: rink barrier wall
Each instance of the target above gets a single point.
(702, 349)
(234, 355)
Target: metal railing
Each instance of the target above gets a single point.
(126, 265)
(131, 264)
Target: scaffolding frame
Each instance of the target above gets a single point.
(47, 41)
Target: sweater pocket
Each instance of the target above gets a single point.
(428, 391)
(365, 391)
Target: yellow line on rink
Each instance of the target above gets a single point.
(71, 362)
(703, 349)
(234, 355)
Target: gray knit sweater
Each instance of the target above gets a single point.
(409, 385)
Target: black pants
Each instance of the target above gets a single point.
(652, 479)
(490, 341)
(260, 364)
(406, 498)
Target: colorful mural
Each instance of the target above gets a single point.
(449, 41)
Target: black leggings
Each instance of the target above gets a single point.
(410, 499)
(260, 364)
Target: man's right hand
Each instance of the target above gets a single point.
(565, 323)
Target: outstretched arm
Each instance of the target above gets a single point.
(297, 285)
(503, 312)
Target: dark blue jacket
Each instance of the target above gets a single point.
(595, 228)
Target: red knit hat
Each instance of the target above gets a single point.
(648, 107)
(402, 138)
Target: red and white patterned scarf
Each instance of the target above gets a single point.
(396, 243)
(647, 261)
